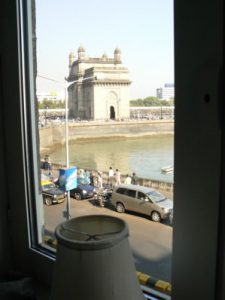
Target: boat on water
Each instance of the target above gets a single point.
(167, 169)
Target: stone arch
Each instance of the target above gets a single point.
(112, 115)
(112, 105)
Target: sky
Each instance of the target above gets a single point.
(142, 29)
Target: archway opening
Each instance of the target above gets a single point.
(112, 113)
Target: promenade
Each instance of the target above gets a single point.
(165, 187)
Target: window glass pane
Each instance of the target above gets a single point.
(105, 94)
(130, 193)
(141, 196)
(156, 196)
(121, 191)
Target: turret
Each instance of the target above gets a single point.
(104, 56)
(71, 59)
(81, 53)
(117, 55)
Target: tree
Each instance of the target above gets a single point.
(151, 101)
(51, 104)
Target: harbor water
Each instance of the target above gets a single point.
(144, 156)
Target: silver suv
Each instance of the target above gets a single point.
(142, 200)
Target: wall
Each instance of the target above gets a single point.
(8, 41)
(4, 209)
(199, 60)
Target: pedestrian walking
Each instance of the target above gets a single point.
(110, 177)
(117, 177)
(127, 179)
(134, 179)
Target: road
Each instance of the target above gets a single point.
(151, 243)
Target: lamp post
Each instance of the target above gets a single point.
(67, 151)
(67, 213)
(46, 109)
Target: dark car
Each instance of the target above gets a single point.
(83, 190)
(52, 194)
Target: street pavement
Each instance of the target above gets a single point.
(151, 243)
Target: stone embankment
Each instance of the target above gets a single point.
(54, 136)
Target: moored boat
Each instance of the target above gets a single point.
(167, 169)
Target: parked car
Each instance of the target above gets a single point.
(142, 200)
(51, 193)
(83, 190)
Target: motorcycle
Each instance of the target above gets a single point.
(102, 196)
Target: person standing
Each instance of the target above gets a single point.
(100, 180)
(127, 179)
(117, 177)
(49, 168)
(134, 179)
(81, 176)
(86, 177)
(92, 179)
(111, 177)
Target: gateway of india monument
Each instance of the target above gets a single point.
(99, 88)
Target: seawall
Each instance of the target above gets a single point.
(54, 136)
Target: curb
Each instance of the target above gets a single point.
(152, 282)
(50, 241)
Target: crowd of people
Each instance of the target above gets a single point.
(113, 178)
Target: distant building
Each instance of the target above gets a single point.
(99, 87)
(52, 96)
(166, 92)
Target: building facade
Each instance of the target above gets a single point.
(166, 92)
(100, 87)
